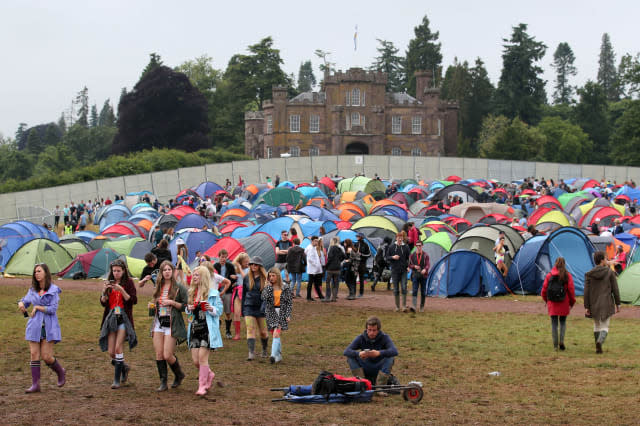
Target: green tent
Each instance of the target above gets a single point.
(39, 250)
(75, 246)
(126, 245)
(629, 284)
(280, 195)
(443, 239)
(135, 266)
(360, 183)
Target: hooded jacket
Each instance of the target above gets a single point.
(559, 308)
(601, 294)
(382, 343)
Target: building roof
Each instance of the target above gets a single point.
(401, 98)
(309, 97)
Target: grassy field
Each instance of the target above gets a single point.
(451, 353)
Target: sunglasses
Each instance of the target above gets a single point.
(117, 263)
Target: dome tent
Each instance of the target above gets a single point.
(39, 250)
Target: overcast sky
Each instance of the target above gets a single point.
(51, 49)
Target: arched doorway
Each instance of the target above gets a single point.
(357, 148)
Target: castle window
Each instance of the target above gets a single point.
(362, 119)
(314, 123)
(348, 98)
(355, 97)
(396, 151)
(355, 119)
(314, 151)
(416, 125)
(363, 93)
(294, 123)
(396, 124)
(348, 122)
(294, 151)
(416, 152)
(269, 152)
(439, 127)
(269, 124)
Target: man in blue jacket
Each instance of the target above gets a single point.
(371, 354)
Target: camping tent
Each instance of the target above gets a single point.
(13, 236)
(39, 250)
(94, 264)
(258, 244)
(629, 284)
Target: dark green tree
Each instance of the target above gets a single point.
(607, 73)
(565, 142)
(34, 143)
(625, 140)
(154, 61)
(21, 134)
(480, 100)
(82, 103)
(629, 75)
(93, 118)
(563, 59)
(163, 110)
(390, 63)
(106, 118)
(510, 140)
(62, 123)
(423, 54)
(306, 79)
(591, 113)
(36, 138)
(520, 91)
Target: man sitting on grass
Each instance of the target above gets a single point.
(371, 354)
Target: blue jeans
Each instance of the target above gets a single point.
(400, 276)
(419, 283)
(296, 281)
(371, 366)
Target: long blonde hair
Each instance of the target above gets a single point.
(237, 262)
(173, 284)
(276, 271)
(202, 288)
(263, 278)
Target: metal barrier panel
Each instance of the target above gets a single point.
(166, 184)
(522, 169)
(634, 173)
(428, 168)
(219, 173)
(138, 183)
(592, 171)
(58, 195)
(7, 208)
(547, 170)
(191, 176)
(323, 165)
(474, 168)
(298, 169)
(83, 191)
(451, 166)
(350, 165)
(271, 168)
(376, 164)
(499, 170)
(617, 174)
(248, 170)
(401, 167)
(568, 171)
(110, 186)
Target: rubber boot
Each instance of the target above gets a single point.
(35, 377)
(397, 298)
(117, 374)
(404, 302)
(422, 300)
(275, 351)
(177, 372)
(251, 343)
(375, 283)
(162, 372)
(352, 291)
(265, 343)
(358, 372)
(596, 335)
(236, 324)
(210, 376)
(361, 289)
(383, 379)
(414, 299)
(202, 380)
(125, 373)
(61, 372)
(227, 325)
(279, 354)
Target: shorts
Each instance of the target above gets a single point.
(226, 303)
(198, 340)
(120, 322)
(159, 329)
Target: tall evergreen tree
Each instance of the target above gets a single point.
(480, 101)
(306, 79)
(629, 75)
(62, 123)
(563, 59)
(390, 63)
(456, 85)
(591, 113)
(520, 90)
(154, 61)
(93, 119)
(82, 101)
(20, 133)
(106, 118)
(423, 54)
(607, 73)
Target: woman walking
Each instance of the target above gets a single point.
(118, 297)
(349, 268)
(204, 309)
(559, 294)
(278, 300)
(601, 297)
(252, 308)
(43, 328)
(167, 328)
(241, 264)
(315, 261)
(334, 265)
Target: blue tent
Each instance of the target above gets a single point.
(465, 273)
(286, 184)
(194, 241)
(113, 213)
(191, 220)
(15, 234)
(207, 189)
(632, 193)
(85, 236)
(311, 192)
(318, 213)
(312, 227)
(390, 210)
(536, 257)
(274, 228)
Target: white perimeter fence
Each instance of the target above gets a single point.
(28, 205)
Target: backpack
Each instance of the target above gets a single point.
(328, 383)
(379, 259)
(556, 289)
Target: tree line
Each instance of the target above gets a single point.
(195, 106)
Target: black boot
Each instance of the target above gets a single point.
(177, 372)
(227, 324)
(162, 372)
(352, 291)
(361, 288)
(265, 343)
(125, 373)
(117, 367)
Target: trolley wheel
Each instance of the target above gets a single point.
(414, 394)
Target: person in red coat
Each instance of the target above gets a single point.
(558, 311)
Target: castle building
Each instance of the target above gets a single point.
(353, 114)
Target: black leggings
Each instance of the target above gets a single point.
(316, 281)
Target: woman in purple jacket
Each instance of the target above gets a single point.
(43, 329)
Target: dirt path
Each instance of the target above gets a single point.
(383, 299)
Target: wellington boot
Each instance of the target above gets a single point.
(177, 372)
(358, 372)
(162, 372)
(35, 377)
(203, 376)
(61, 372)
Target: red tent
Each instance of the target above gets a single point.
(453, 178)
(181, 211)
(328, 183)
